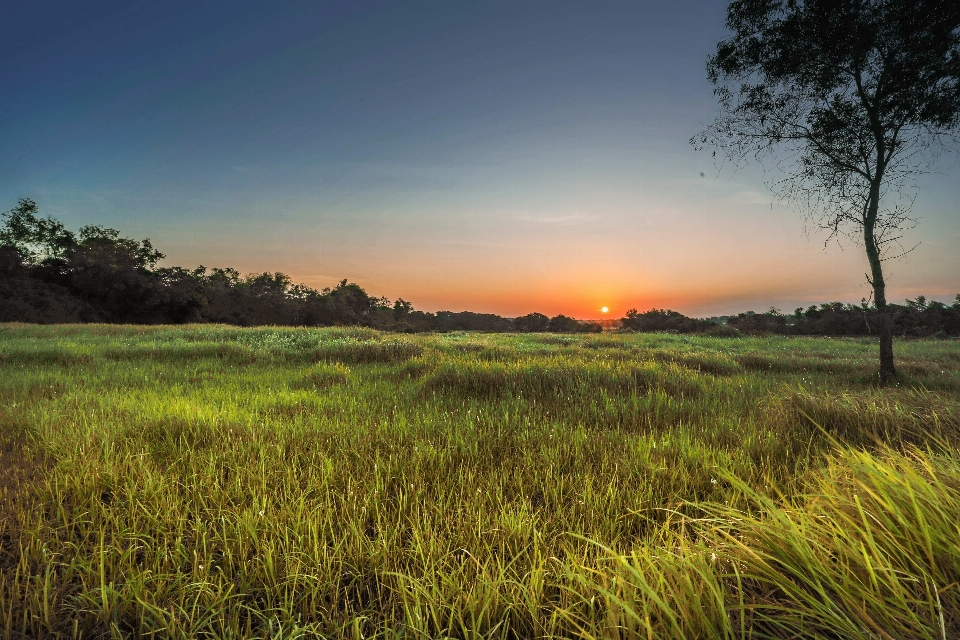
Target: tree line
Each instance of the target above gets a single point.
(49, 274)
(915, 318)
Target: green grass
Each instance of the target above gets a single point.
(210, 481)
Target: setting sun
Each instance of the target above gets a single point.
(604, 309)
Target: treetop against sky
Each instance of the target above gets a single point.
(486, 156)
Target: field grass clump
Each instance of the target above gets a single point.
(542, 380)
(212, 481)
(368, 351)
(868, 548)
(713, 364)
(323, 375)
(865, 549)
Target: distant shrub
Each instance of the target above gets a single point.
(532, 323)
(722, 331)
(759, 323)
(563, 324)
(663, 320)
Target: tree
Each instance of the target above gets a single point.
(849, 99)
(662, 320)
(563, 324)
(35, 238)
(401, 309)
(531, 323)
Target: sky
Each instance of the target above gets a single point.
(503, 157)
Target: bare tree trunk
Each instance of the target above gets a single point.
(888, 373)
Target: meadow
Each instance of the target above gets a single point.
(217, 482)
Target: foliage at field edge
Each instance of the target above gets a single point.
(49, 274)
(211, 481)
(915, 318)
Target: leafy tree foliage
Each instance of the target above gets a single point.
(838, 319)
(532, 322)
(847, 97)
(828, 319)
(36, 239)
(564, 324)
(50, 274)
(663, 320)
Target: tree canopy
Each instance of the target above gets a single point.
(849, 98)
(50, 274)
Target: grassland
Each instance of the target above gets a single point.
(209, 481)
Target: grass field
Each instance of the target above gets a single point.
(210, 481)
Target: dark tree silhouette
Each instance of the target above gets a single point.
(563, 324)
(36, 239)
(662, 320)
(849, 98)
(111, 273)
(532, 322)
(401, 310)
(49, 274)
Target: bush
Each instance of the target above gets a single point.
(663, 320)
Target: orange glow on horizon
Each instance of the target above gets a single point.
(512, 271)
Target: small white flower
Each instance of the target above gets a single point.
(713, 481)
(261, 513)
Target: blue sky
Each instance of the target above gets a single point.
(492, 156)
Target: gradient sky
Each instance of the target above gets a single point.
(502, 157)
